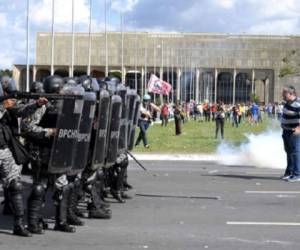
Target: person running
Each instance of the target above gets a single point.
(146, 109)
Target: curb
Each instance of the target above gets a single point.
(174, 157)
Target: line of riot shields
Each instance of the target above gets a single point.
(82, 135)
(100, 125)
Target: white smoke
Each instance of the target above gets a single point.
(264, 150)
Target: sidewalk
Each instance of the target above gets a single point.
(174, 157)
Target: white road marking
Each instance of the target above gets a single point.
(272, 192)
(248, 223)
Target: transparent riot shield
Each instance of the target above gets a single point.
(101, 126)
(84, 134)
(122, 92)
(132, 99)
(114, 130)
(67, 125)
(133, 125)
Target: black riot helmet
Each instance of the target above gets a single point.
(101, 82)
(89, 84)
(37, 87)
(112, 83)
(71, 80)
(8, 84)
(113, 80)
(53, 84)
(86, 83)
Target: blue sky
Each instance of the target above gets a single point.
(267, 17)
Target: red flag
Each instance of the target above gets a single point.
(158, 86)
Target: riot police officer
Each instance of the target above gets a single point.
(40, 131)
(92, 178)
(10, 169)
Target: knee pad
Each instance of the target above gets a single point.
(125, 162)
(77, 183)
(38, 191)
(15, 186)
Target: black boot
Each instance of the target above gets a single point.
(61, 211)
(126, 185)
(95, 208)
(19, 228)
(16, 199)
(35, 201)
(99, 213)
(72, 218)
(117, 195)
(126, 196)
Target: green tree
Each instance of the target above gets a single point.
(254, 98)
(5, 72)
(290, 66)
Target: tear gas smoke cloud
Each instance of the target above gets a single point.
(264, 150)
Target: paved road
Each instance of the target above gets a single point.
(175, 223)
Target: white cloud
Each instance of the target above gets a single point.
(41, 13)
(6, 61)
(123, 5)
(3, 21)
(225, 4)
(279, 27)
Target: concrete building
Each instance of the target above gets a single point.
(198, 65)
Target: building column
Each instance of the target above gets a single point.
(197, 85)
(267, 94)
(216, 84)
(178, 77)
(253, 81)
(124, 72)
(234, 86)
(142, 81)
(161, 73)
(17, 76)
(70, 71)
(34, 71)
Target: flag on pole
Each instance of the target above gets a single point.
(158, 86)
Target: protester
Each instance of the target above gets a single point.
(290, 123)
(213, 111)
(254, 113)
(235, 116)
(146, 109)
(220, 119)
(165, 114)
(206, 110)
(200, 112)
(179, 117)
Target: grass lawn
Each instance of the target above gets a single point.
(196, 138)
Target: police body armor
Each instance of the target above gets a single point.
(67, 125)
(84, 133)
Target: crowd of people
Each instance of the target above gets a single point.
(251, 113)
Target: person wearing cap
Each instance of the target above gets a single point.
(146, 110)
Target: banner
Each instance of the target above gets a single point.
(158, 86)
